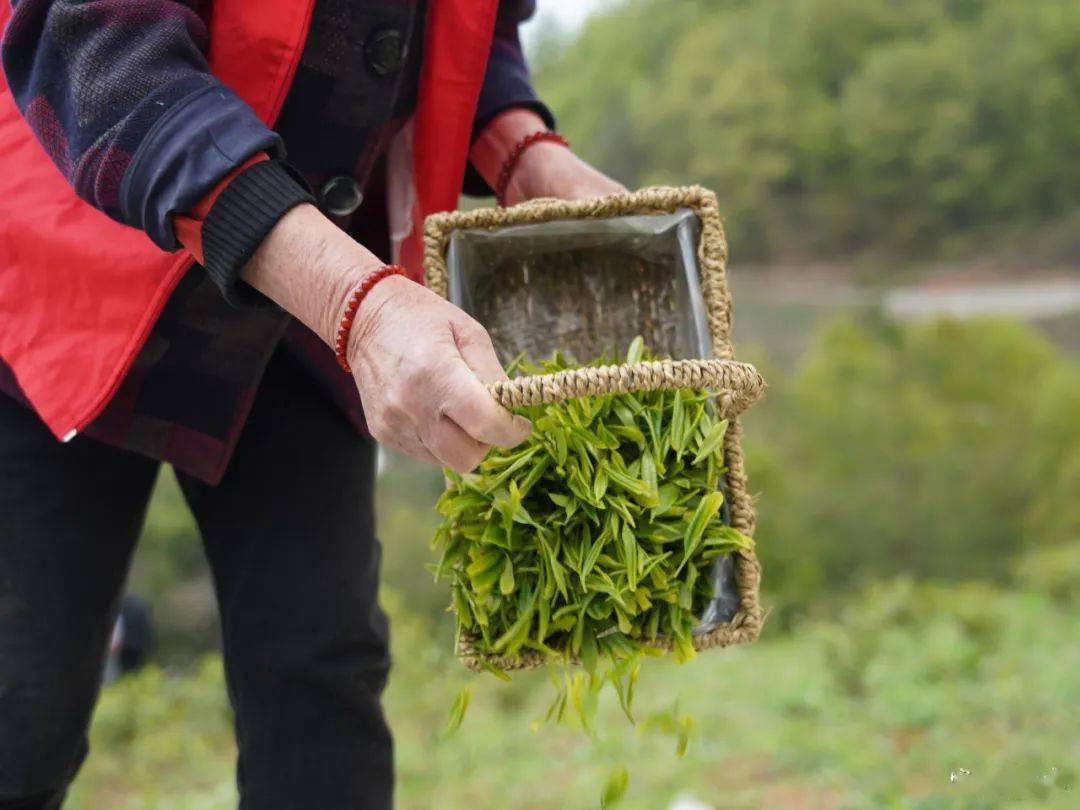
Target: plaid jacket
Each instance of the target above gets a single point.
(98, 82)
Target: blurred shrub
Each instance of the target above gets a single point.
(873, 708)
(958, 623)
(170, 530)
(161, 741)
(406, 493)
(939, 450)
(170, 571)
(1053, 460)
(831, 124)
(1054, 571)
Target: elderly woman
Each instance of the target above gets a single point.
(171, 290)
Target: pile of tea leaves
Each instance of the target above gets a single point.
(592, 540)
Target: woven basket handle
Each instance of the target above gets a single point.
(737, 385)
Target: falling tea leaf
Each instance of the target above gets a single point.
(615, 788)
(457, 713)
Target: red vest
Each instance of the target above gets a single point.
(80, 293)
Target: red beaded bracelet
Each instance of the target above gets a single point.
(341, 345)
(512, 159)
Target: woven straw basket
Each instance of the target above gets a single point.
(736, 385)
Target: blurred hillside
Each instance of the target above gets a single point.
(922, 129)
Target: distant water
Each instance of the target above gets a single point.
(776, 315)
(1035, 299)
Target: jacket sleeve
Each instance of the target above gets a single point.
(506, 81)
(120, 95)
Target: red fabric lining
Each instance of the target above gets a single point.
(457, 44)
(189, 226)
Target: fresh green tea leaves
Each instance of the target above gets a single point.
(615, 788)
(684, 727)
(593, 539)
(707, 509)
(678, 423)
(506, 581)
(457, 712)
(671, 722)
(711, 441)
(497, 672)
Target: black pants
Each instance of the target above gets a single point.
(290, 536)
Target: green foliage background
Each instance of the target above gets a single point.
(919, 519)
(941, 449)
(917, 128)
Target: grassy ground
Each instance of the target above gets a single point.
(910, 685)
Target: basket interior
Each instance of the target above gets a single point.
(585, 286)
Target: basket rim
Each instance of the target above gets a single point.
(737, 385)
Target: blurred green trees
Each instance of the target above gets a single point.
(832, 125)
(941, 450)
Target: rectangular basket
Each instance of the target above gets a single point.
(711, 256)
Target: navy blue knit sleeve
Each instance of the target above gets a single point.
(506, 83)
(121, 97)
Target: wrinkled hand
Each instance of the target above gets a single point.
(551, 170)
(420, 363)
(421, 366)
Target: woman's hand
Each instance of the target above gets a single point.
(545, 169)
(548, 169)
(420, 363)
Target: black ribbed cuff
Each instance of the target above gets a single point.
(240, 219)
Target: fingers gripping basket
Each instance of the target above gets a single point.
(735, 385)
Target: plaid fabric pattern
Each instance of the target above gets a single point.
(93, 78)
(193, 382)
